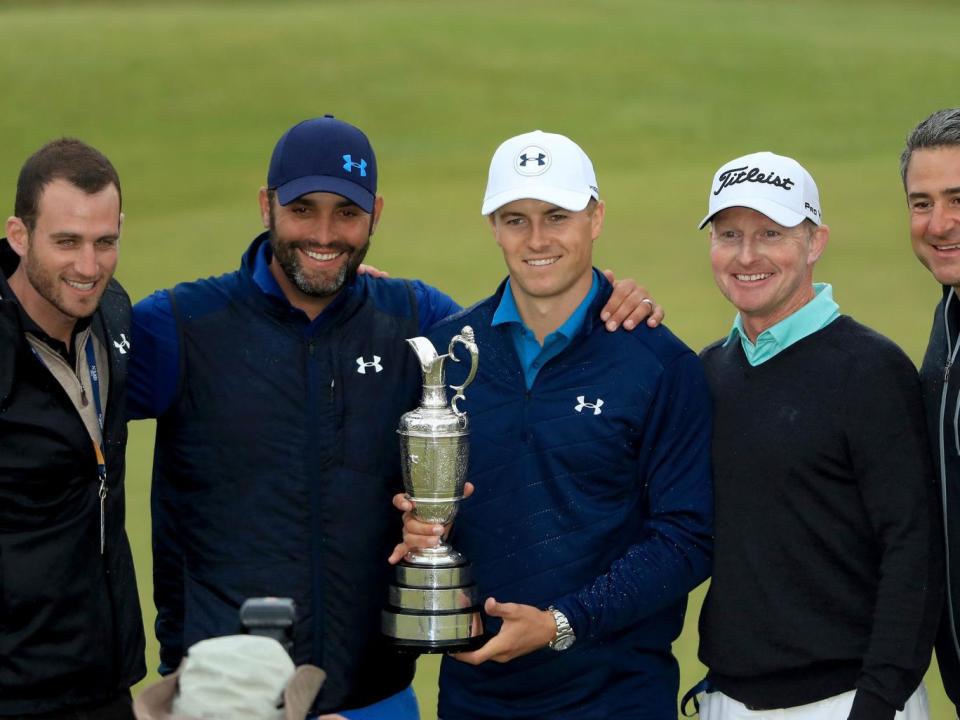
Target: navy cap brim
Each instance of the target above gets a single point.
(290, 191)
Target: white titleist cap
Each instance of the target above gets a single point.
(777, 186)
(540, 166)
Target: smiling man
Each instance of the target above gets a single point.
(826, 587)
(71, 635)
(930, 171)
(589, 452)
(277, 390)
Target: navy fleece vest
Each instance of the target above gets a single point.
(275, 469)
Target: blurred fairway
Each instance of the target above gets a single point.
(188, 100)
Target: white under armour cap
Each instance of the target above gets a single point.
(540, 166)
(777, 186)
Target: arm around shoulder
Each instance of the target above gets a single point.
(154, 372)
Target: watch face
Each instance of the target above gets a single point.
(562, 643)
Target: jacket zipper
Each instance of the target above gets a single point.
(951, 356)
(77, 374)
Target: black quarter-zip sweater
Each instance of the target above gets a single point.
(827, 558)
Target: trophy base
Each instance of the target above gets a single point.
(433, 610)
(435, 647)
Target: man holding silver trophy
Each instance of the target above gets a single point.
(591, 518)
(277, 388)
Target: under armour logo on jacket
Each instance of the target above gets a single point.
(582, 403)
(362, 365)
(123, 345)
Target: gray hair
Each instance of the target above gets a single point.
(939, 130)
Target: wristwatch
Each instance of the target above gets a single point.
(565, 636)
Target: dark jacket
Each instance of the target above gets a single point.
(940, 381)
(275, 467)
(71, 632)
(593, 494)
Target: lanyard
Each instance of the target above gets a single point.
(97, 446)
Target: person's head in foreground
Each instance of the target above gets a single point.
(237, 677)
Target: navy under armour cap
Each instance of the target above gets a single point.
(324, 155)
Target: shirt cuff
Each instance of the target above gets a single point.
(867, 706)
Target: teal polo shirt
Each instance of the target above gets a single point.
(815, 315)
(534, 356)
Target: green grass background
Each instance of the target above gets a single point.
(189, 98)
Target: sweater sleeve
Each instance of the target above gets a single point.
(675, 553)
(154, 370)
(152, 383)
(432, 304)
(888, 446)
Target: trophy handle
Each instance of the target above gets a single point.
(468, 340)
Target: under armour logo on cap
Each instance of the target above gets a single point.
(532, 161)
(348, 165)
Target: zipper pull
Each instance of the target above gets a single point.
(946, 371)
(103, 511)
(102, 494)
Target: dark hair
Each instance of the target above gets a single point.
(68, 159)
(941, 129)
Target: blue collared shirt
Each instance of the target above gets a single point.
(534, 356)
(815, 315)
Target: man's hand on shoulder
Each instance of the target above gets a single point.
(629, 305)
(525, 629)
(370, 270)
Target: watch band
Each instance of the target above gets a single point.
(565, 635)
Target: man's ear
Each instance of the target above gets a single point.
(377, 209)
(596, 220)
(264, 199)
(17, 235)
(818, 243)
(492, 220)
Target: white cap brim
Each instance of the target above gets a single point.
(776, 212)
(561, 197)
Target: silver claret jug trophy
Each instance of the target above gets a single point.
(432, 604)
